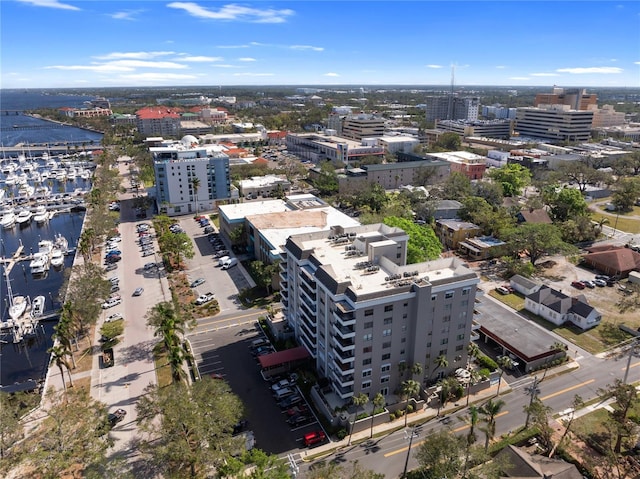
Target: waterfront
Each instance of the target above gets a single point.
(39, 131)
(28, 359)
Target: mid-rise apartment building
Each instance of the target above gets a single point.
(556, 123)
(575, 98)
(483, 128)
(158, 121)
(176, 164)
(361, 311)
(451, 107)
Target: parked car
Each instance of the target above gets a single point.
(286, 403)
(502, 290)
(299, 420)
(205, 298)
(114, 280)
(149, 266)
(588, 283)
(230, 263)
(138, 291)
(313, 438)
(262, 350)
(600, 282)
(111, 302)
(197, 282)
(208, 229)
(283, 383)
(603, 277)
(578, 284)
(115, 288)
(111, 267)
(296, 410)
(116, 416)
(113, 317)
(147, 252)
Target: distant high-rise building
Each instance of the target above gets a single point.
(576, 99)
(451, 108)
(362, 126)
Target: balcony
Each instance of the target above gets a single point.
(307, 278)
(284, 275)
(343, 345)
(344, 332)
(474, 337)
(310, 305)
(284, 293)
(344, 357)
(345, 320)
(343, 393)
(343, 368)
(475, 326)
(309, 345)
(343, 381)
(311, 333)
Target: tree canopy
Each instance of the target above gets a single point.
(535, 240)
(512, 177)
(423, 243)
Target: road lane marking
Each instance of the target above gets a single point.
(632, 366)
(566, 390)
(466, 426)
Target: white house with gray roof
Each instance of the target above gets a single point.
(559, 308)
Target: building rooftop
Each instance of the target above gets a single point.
(260, 181)
(239, 211)
(456, 224)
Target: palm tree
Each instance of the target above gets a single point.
(378, 402)
(490, 410)
(358, 400)
(474, 350)
(408, 389)
(440, 362)
(58, 356)
(504, 362)
(64, 331)
(416, 369)
(195, 183)
(473, 379)
(472, 422)
(169, 327)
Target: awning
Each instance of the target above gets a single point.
(283, 357)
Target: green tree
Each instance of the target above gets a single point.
(567, 203)
(359, 400)
(490, 411)
(492, 220)
(170, 328)
(331, 469)
(188, 428)
(540, 415)
(535, 240)
(441, 362)
(576, 405)
(440, 455)
(111, 330)
(627, 192)
(579, 173)
(456, 187)
(176, 245)
(71, 435)
(448, 142)
(488, 191)
(326, 180)
(625, 396)
(423, 243)
(408, 390)
(377, 402)
(59, 358)
(11, 431)
(512, 177)
(504, 362)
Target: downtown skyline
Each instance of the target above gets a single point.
(83, 44)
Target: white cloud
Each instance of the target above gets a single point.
(147, 64)
(578, 71)
(331, 74)
(133, 55)
(232, 46)
(50, 4)
(501, 67)
(434, 66)
(246, 59)
(306, 47)
(544, 74)
(126, 15)
(200, 59)
(519, 78)
(224, 65)
(253, 74)
(234, 12)
(158, 76)
(636, 63)
(102, 68)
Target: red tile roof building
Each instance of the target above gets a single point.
(613, 260)
(158, 121)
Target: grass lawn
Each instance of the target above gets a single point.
(590, 423)
(630, 225)
(512, 300)
(163, 370)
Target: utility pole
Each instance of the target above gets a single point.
(533, 391)
(632, 348)
(408, 435)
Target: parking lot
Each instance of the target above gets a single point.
(225, 353)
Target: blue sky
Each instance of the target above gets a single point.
(85, 43)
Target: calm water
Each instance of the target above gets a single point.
(19, 100)
(29, 359)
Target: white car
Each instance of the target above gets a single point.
(113, 317)
(283, 383)
(205, 298)
(111, 302)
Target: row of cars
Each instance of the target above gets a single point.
(289, 398)
(600, 280)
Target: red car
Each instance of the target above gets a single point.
(578, 284)
(313, 438)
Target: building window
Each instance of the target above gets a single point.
(366, 361)
(388, 308)
(403, 340)
(366, 384)
(367, 349)
(384, 379)
(460, 337)
(366, 373)
(386, 332)
(388, 320)
(368, 312)
(385, 368)
(405, 316)
(459, 347)
(444, 341)
(443, 352)
(446, 319)
(448, 295)
(465, 291)
(368, 325)
(386, 345)
(386, 356)
(434, 297)
(462, 325)
(447, 307)
(367, 337)
(406, 305)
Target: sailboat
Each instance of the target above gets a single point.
(17, 304)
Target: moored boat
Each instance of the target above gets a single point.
(37, 307)
(57, 257)
(17, 307)
(24, 217)
(8, 220)
(41, 214)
